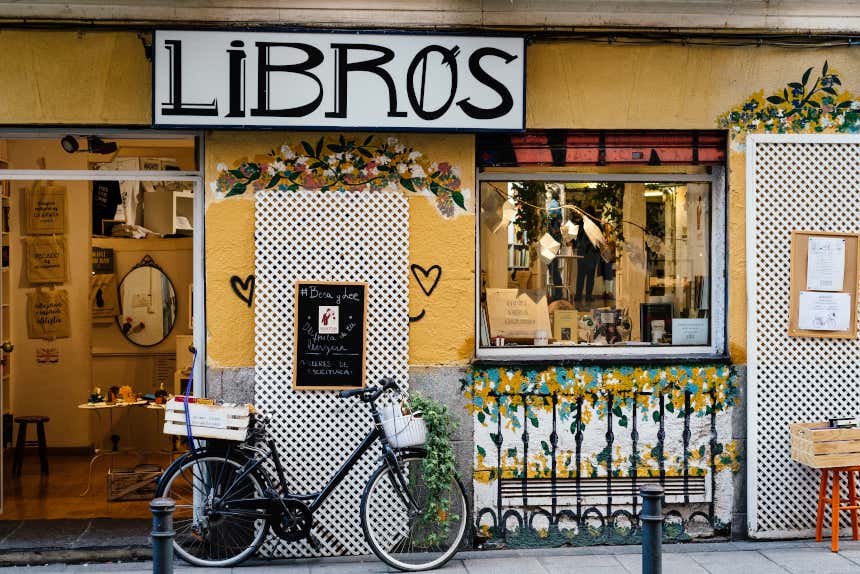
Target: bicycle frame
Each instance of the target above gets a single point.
(318, 498)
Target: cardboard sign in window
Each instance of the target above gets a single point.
(46, 259)
(48, 314)
(45, 210)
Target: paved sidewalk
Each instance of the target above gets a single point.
(793, 556)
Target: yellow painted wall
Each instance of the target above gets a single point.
(443, 336)
(59, 77)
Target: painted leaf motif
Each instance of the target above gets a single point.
(775, 99)
(545, 447)
(237, 189)
(308, 149)
(806, 76)
(481, 450)
(274, 181)
(656, 416)
(458, 199)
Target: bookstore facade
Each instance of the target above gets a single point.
(554, 236)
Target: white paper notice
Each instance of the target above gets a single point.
(824, 311)
(825, 266)
(689, 331)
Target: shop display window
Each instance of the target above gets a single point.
(567, 266)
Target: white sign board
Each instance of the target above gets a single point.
(819, 311)
(338, 81)
(826, 266)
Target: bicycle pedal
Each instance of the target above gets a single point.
(313, 542)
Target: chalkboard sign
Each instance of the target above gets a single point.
(330, 327)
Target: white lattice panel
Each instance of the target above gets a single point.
(328, 236)
(793, 183)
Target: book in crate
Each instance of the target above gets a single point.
(819, 446)
(207, 420)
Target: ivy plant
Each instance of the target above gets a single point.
(438, 468)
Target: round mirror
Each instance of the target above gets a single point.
(147, 304)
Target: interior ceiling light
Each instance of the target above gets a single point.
(95, 144)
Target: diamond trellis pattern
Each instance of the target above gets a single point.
(798, 186)
(327, 236)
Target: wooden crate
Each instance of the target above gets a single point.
(817, 446)
(136, 483)
(207, 421)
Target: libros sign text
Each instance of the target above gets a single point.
(338, 81)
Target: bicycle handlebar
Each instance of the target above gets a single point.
(370, 394)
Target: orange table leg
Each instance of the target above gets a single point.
(822, 498)
(834, 517)
(852, 500)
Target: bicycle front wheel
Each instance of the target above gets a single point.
(407, 538)
(208, 532)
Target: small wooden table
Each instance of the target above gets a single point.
(833, 451)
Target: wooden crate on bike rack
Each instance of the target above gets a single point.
(207, 421)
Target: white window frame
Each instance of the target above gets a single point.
(718, 254)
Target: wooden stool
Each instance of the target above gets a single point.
(836, 504)
(39, 421)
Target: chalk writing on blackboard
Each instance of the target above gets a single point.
(330, 327)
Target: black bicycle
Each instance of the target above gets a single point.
(227, 499)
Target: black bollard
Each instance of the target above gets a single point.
(652, 528)
(162, 535)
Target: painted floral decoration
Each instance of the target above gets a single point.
(346, 165)
(802, 106)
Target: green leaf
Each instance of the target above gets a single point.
(836, 80)
(335, 148)
(308, 149)
(830, 91)
(274, 181)
(494, 437)
(534, 420)
(293, 187)
(237, 189)
(365, 152)
(236, 173)
(623, 420)
(545, 447)
(824, 68)
(617, 411)
(702, 450)
(814, 104)
(458, 199)
(656, 416)
(797, 85)
(368, 140)
(512, 452)
(806, 76)
(481, 418)
(670, 407)
(843, 105)
(481, 450)
(319, 147)
(775, 99)
(407, 183)
(785, 94)
(342, 140)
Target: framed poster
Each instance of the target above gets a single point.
(330, 329)
(823, 287)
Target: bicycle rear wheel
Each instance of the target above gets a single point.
(207, 533)
(409, 540)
